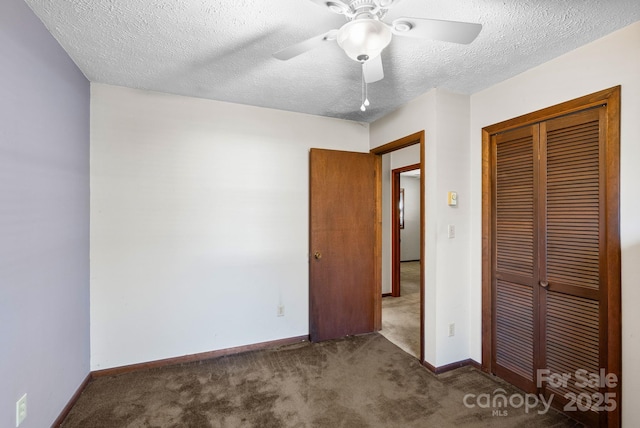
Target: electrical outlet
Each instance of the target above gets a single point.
(452, 329)
(280, 310)
(21, 410)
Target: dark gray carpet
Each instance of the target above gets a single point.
(362, 381)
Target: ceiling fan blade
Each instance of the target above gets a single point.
(304, 46)
(447, 31)
(373, 70)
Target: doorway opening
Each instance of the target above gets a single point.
(405, 221)
(409, 305)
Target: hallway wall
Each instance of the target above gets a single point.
(410, 235)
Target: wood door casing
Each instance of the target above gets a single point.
(343, 287)
(576, 211)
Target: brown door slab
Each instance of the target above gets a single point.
(343, 216)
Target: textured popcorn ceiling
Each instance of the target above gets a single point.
(221, 49)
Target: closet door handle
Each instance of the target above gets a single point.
(544, 284)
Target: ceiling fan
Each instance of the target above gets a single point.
(365, 35)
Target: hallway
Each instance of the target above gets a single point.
(401, 315)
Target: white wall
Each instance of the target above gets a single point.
(610, 61)
(405, 156)
(445, 118)
(199, 222)
(44, 220)
(410, 235)
(416, 116)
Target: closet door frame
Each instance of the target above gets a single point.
(610, 100)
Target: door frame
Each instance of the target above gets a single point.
(610, 100)
(395, 226)
(409, 140)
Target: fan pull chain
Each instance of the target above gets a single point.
(366, 90)
(365, 101)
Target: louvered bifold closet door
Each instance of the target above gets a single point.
(572, 183)
(515, 290)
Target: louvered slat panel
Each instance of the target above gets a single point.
(573, 194)
(572, 339)
(514, 206)
(514, 329)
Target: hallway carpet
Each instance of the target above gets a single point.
(362, 381)
(401, 315)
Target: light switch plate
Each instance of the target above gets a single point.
(451, 231)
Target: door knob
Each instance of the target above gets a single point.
(317, 255)
(544, 284)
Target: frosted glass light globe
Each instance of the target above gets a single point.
(363, 39)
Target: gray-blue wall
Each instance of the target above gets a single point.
(44, 220)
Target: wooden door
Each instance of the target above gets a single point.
(344, 289)
(573, 255)
(551, 260)
(515, 270)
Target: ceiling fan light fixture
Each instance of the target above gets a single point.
(363, 39)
